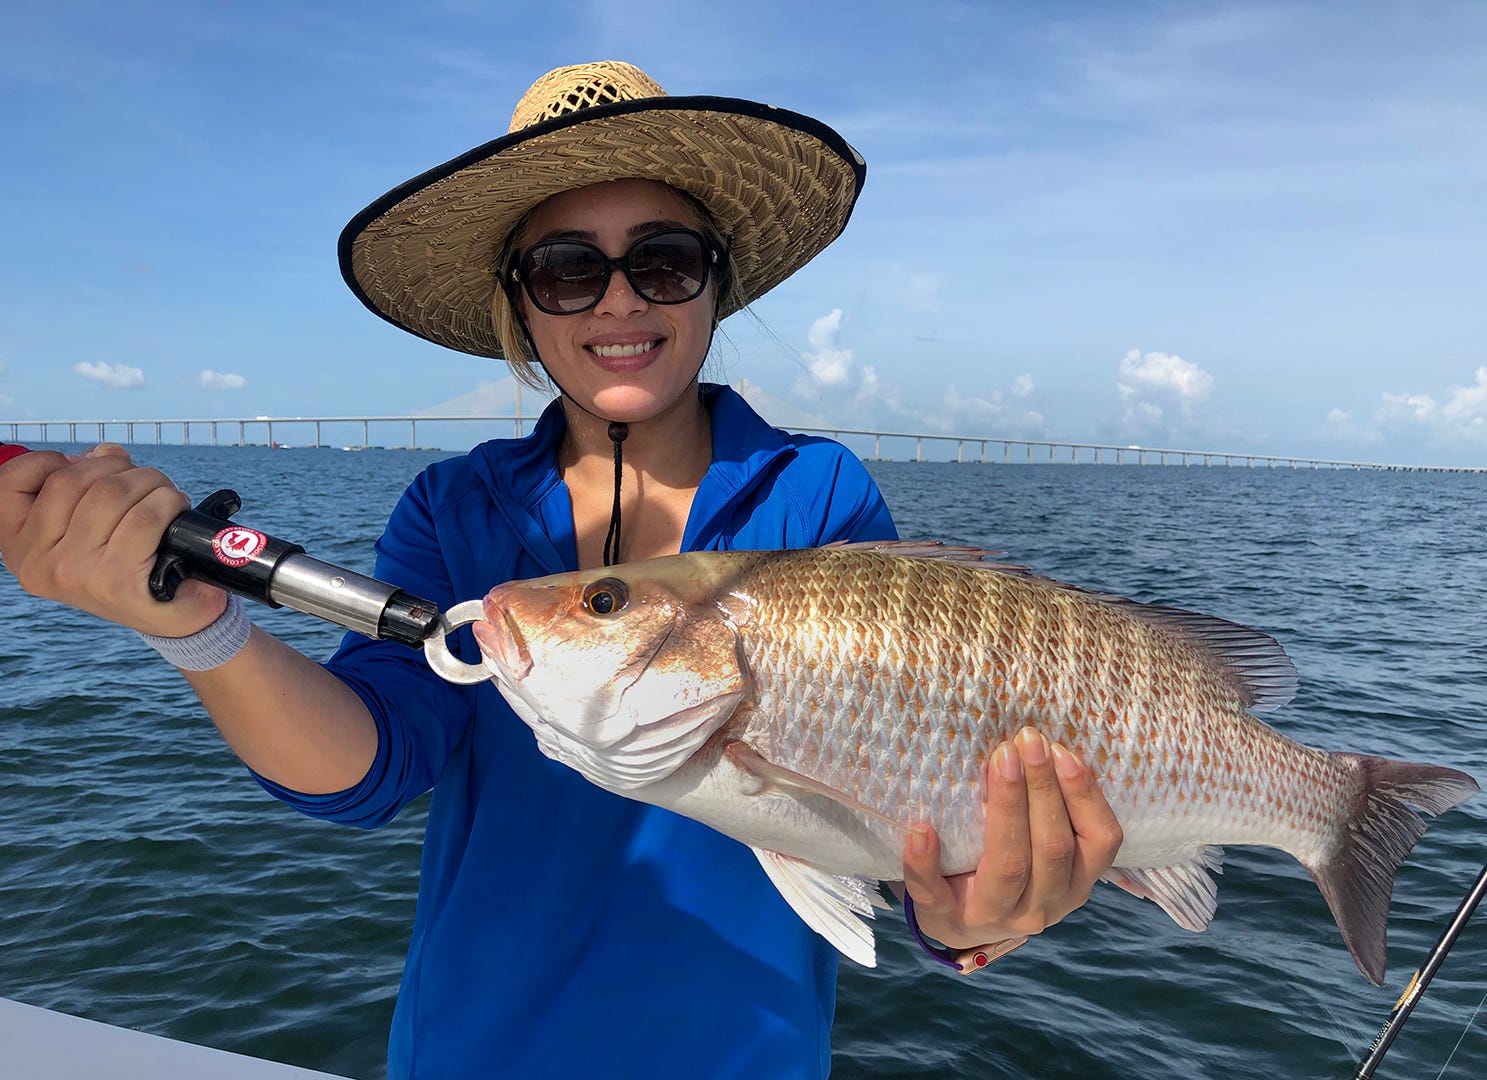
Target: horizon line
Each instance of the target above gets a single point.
(1227, 457)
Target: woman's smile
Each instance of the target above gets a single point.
(618, 355)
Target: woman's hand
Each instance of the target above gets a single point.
(1050, 834)
(84, 531)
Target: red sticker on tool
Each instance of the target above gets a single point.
(236, 546)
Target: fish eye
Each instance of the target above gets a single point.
(607, 596)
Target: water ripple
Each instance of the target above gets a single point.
(145, 881)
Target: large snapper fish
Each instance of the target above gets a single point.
(815, 703)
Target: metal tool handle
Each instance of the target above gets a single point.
(205, 544)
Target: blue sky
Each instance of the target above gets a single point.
(1256, 227)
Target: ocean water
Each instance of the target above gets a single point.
(145, 881)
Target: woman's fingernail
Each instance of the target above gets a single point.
(1068, 766)
(919, 840)
(1033, 745)
(1008, 762)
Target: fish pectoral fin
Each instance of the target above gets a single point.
(830, 904)
(1186, 891)
(778, 778)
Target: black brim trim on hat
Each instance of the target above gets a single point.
(779, 184)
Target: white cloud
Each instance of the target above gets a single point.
(1463, 415)
(778, 412)
(836, 384)
(1417, 408)
(972, 415)
(1341, 426)
(990, 415)
(1468, 404)
(1159, 388)
(829, 364)
(1154, 372)
(499, 397)
(217, 380)
(118, 376)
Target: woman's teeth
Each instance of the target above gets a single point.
(612, 352)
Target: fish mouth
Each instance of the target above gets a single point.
(501, 640)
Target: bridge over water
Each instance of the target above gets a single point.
(311, 431)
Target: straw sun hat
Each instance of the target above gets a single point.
(780, 187)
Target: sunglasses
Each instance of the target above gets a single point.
(568, 277)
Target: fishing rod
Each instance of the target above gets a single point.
(205, 544)
(1421, 979)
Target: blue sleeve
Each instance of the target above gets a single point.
(841, 500)
(420, 718)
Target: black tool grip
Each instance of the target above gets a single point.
(408, 619)
(207, 545)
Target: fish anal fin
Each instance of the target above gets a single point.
(776, 777)
(1185, 891)
(832, 905)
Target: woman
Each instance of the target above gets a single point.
(559, 926)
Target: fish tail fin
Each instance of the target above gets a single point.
(1357, 875)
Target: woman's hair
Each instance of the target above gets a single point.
(516, 346)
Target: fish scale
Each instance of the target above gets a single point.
(906, 710)
(814, 704)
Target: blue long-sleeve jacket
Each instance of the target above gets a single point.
(561, 929)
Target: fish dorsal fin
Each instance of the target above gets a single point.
(1185, 891)
(1258, 663)
(1262, 672)
(831, 905)
(931, 549)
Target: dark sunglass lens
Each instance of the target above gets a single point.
(668, 268)
(564, 276)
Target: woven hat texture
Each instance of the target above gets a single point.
(779, 185)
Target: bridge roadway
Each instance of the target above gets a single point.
(982, 447)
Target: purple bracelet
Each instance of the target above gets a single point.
(944, 956)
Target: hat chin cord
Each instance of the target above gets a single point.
(618, 432)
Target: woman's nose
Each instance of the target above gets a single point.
(619, 297)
